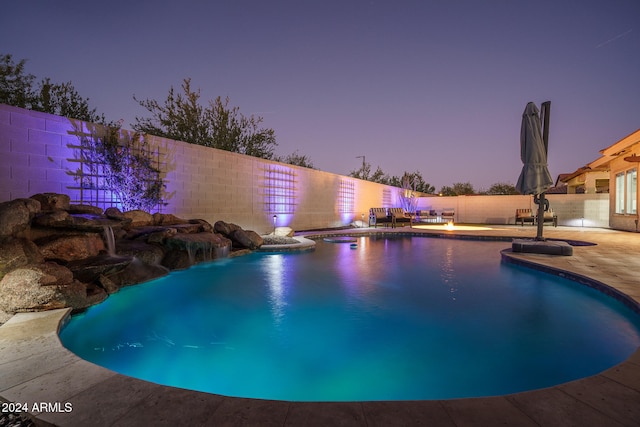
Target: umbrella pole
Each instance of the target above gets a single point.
(546, 112)
(540, 217)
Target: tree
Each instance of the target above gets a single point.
(365, 173)
(183, 118)
(296, 159)
(64, 100)
(122, 163)
(416, 181)
(458, 189)
(17, 89)
(380, 177)
(500, 188)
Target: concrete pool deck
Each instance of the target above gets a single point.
(35, 369)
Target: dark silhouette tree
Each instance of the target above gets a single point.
(17, 88)
(183, 118)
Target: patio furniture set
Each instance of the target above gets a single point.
(399, 217)
(527, 215)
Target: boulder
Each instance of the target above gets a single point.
(71, 247)
(167, 219)
(225, 228)
(56, 219)
(136, 272)
(188, 249)
(52, 201)
(284, 232)
(15, 253)
(16, 216)
(177, 260)
(188, 228)
(139, 218)
(90, 222)
(158, 237)
(44, 286)
(89, 270)
(85, 209)
(114, 213)
(204, 226)
(246, 239)
(145, 252)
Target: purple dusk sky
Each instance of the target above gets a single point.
(434, 86)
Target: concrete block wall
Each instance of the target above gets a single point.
(34, 153)
(219, 185)
(577, 210)
(205, 183)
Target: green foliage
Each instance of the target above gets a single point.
(413, 181)
(458, 189)
(183, 118)
(409, 180)
(17, 89)
(63, 100)
(124, 162)
(363, 173)
(502, 188)
(296, 159)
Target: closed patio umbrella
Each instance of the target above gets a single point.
(535, 177)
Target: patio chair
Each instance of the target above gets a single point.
(379, 216)
(525, 215)
(399, 216)
(550, 216)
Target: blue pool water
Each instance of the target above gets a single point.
(398, 318)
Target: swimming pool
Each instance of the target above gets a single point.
(400, 318)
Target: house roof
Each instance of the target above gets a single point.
(615, 150)
(566, 177)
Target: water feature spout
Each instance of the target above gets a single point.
(222, 252)
(110, 240)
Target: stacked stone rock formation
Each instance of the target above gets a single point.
(54, 254)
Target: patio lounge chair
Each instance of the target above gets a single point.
(550, 216)
(399, 216)
(525, 215)
(379, 216)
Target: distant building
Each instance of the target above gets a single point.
(585, 180)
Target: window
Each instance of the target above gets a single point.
(631, 191)
(620, 193)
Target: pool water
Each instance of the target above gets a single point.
(400, 318)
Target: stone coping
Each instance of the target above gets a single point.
(303, 244)
(36, 368)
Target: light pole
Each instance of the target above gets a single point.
(363, 164)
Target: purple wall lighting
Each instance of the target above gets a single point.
(89, 185)
(387, 198)
(346, 200)
(280, 194)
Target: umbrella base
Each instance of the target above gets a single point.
(545, 247)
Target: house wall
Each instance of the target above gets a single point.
(36, 157)
(628, 220)
(589, 181)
